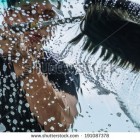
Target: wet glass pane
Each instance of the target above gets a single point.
(48, 84)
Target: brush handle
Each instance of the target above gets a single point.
(52, 22)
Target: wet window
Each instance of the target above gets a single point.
(50, 83)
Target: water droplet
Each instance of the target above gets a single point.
(4, 67)
(11, 100)
(15, 121)
(30, 81)
(109, 125)
(2, 127)
(119, 114)
(45, 123)
(27, 105)
(1, 51)
(52, 128)
(33, 11)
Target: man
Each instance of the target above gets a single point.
(112, 26)
(32, 96)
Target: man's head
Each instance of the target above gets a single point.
(113, 27)
(19, 12)
(29, 11)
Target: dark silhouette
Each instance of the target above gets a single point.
(39, 97)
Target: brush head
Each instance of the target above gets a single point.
(113, 26)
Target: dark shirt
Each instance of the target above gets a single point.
(15, 114)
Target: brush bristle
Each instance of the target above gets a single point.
(114, 27)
